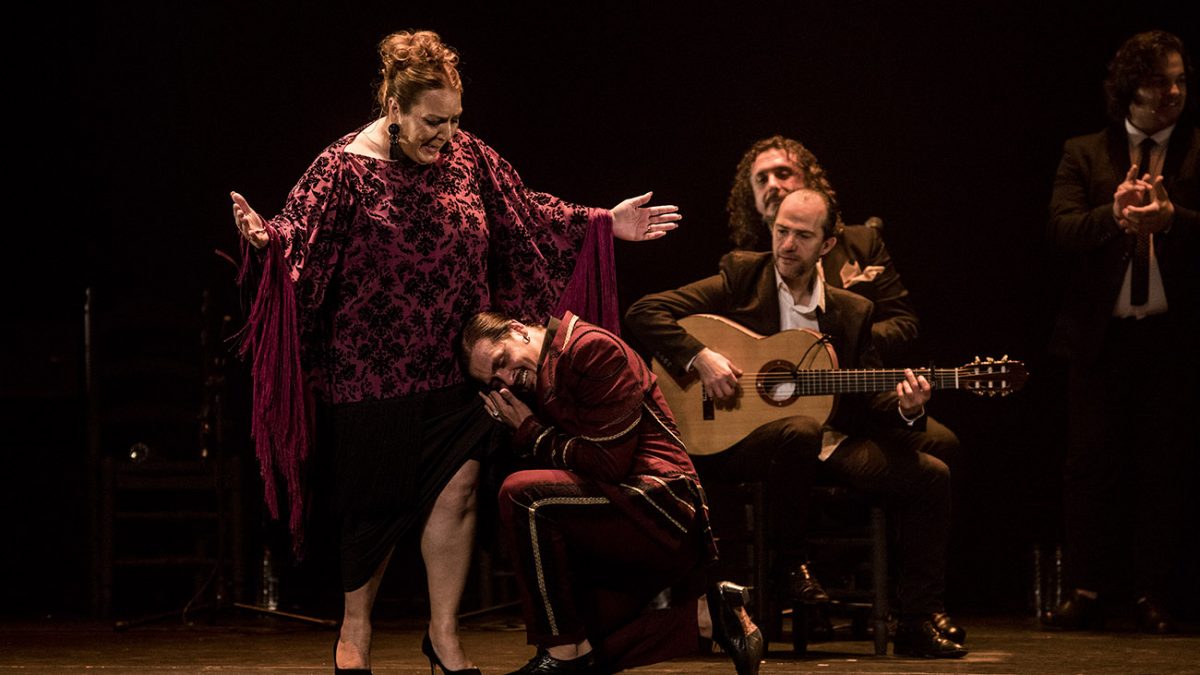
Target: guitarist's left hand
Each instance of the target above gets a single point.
(914, 393)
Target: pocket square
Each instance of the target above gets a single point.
(852, 274)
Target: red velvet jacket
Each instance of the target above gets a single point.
(599, 413)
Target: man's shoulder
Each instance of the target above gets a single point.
(847, 301)
(1096, 140)
(744, 262)
(859, 237)
(1190, 133)
(578, 337)
(743, 270)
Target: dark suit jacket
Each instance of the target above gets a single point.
(745, 292)
(895, 325)
(1082, 223)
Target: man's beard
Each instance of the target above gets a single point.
(771, 203)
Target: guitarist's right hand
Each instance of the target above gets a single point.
(719, 375)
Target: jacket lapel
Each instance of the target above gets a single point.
(1177, 149)
(1118, 151)
(768, 296)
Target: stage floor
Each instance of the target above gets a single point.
(237, 643)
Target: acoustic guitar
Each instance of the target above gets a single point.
(794, 372)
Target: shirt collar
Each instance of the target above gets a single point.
(817, 301)
(1136, 136)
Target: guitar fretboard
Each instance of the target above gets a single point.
(822, 382)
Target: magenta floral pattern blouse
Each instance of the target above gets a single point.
(389, 258)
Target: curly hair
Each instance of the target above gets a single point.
(745, 224)
(1137, 59)
(413, 62)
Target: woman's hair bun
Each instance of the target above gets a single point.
(412, 62)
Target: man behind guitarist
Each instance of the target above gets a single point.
(769, 292)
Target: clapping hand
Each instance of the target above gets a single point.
(1131, 192)
(634, 221)
(1155, 215)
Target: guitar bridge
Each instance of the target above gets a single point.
(707, 407)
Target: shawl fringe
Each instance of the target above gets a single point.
(280, 407)
(591, 294)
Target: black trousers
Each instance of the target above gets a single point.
(916, 488)
(904, 467)
(783, 456)
(1126, 461)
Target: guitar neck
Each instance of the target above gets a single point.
(822, 382)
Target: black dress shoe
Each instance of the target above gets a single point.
(1077, 612)
(544, 664)
(949, 630)
(803, 587)
(1152, 617)
(746, 649)
(923, 640)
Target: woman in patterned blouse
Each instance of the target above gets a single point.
(396, 234)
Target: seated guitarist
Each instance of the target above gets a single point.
(769, 292)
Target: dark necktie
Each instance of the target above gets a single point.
(1139, 282)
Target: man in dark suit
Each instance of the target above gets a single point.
(858, 262)
(1124, 209)
(767, 292)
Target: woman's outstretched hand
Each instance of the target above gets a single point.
(248, 222)
(634, 221)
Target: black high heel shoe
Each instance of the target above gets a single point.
(427, 650)
(346, 671)
(746, 649)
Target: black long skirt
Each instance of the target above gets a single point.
(392, 460)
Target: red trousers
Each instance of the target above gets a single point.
(587, 570)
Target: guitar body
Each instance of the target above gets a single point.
(707, 429)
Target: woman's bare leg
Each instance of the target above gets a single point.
(446, 544)
(354, 642)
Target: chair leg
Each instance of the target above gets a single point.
(802, 616)
(879, 577)
(763, 604)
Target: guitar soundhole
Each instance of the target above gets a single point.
(776, 383)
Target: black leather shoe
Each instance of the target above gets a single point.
(746, 650)
(1077, 612)
(1152, 617)
(949, 630)
(803, 587)
(544, 664)
(923, 640)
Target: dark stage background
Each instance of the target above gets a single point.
(944, 119)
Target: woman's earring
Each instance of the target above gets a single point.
(394, 150)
